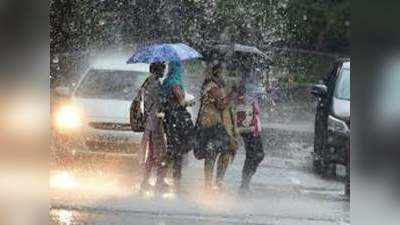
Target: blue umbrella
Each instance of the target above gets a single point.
(164, 52)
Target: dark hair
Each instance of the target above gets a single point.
(211, 74)
(217, 66)
(157, 68)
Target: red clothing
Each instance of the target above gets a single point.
(256, 120)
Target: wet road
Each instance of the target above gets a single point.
(103, 189)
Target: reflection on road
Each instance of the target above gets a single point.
(64, 217)
(62, 180)
(104, 189)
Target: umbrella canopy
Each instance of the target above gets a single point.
(238, 48)
(164, 52)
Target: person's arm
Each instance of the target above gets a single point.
(144, 86)
(138, 99)
(179, 94)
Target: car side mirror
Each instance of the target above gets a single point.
(63, 91)
(319, 90)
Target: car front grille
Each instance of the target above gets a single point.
(111, 126)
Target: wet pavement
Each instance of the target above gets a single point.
(96, 188)
(284, 191)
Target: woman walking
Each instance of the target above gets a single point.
(216, 114)
(177, 120)
(249, 123)
(153, 141)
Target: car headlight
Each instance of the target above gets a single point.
(337, 125)
(67, 118)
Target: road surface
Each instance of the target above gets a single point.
(284, 191)
(97, 188)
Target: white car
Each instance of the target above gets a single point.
(96, 117)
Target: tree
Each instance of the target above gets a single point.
(314, 25)
(319, 24)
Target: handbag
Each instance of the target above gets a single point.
(209, 141)
(198, 142)
(179, 128)
(137, 118)
(197, 138)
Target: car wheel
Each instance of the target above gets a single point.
(320, 161)
(330, 170)
(347, 185)
(322, 167)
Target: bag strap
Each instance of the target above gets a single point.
(139, 96)
(200, 108)
(203, 94)
(221, 112)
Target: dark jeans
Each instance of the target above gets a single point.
(175, 162)
(177, 125)
(254, 155)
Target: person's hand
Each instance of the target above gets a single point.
(140, 158)
(160, 115)
(190, 103)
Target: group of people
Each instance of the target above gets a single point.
(168, 128)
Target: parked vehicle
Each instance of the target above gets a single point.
(332, 120)
(96, 115)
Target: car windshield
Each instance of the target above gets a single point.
(110, 84)
(342, 90)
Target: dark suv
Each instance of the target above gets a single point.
(332, 120)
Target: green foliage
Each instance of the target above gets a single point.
(318, 24)
(314, 24)
(304, 68)
(322, 25)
